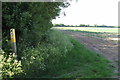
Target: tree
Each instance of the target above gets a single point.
(31, 21)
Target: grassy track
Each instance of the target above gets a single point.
(80, 62)
(90, 29)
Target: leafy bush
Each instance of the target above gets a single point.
(9, 65)
(30, 19)
(33, 59)
(36, 61)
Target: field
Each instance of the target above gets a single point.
(106, 33)
(90, 29)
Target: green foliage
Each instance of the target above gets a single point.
(36, 61)
(9, 65)
(31, 21)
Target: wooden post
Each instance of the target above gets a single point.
(13, 40)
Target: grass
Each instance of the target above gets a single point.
(90, 29)
(81, 63)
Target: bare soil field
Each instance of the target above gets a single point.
(108, 47)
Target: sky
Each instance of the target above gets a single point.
(100, 12)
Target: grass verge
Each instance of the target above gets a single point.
(82, 63)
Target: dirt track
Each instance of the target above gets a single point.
(107, 48)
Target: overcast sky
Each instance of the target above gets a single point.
(90, 12)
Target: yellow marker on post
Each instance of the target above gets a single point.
(13, 40)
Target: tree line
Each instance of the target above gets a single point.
(81, 25)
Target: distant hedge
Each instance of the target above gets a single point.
(81, 25)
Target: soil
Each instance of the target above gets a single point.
(105, 46)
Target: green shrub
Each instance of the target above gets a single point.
(33, 59)
(37, 61)
(9, 66)
(31, 20)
